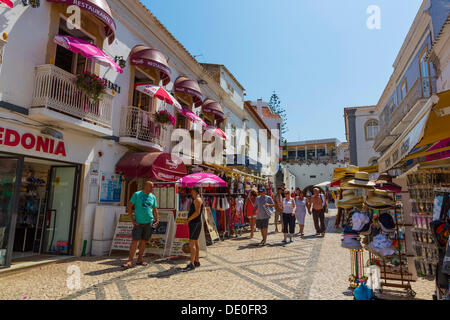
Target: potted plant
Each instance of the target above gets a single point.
(162, 117)
(91, 85)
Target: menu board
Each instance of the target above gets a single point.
(110, 188)
(211, 227)
(122, 236)
(180, 241)
(157, 243)
(165, 195)
(159, 240)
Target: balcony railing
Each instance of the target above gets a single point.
(139, 124)
(383, 132)
(54, 89)
(422, 88)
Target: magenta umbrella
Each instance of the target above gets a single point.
(8, 3)
(217, 132)
(202, 179)
(193, 117)
(87, 50)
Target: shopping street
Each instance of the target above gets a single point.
(234, 269)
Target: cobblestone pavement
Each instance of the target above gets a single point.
(309, 268)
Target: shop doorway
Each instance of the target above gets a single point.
(41, 210)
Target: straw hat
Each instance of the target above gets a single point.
(379, 199)
(361, 180)
(349, 200)
(384, 182)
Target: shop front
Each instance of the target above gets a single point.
(39, 192)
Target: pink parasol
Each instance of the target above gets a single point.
(193, 117)
(202, 179)
(158, 92)
(87, 50)
(7, 2)
(218, 132)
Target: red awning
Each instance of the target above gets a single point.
(157, 165)
(152, 58)
(190, 87)
(213, 107)
(100, 9)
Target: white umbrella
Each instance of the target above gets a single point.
(323, 184)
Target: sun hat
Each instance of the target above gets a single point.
(366, 229)
(361, 180)
(386, 222)
(382, 245)
(351, 244)
(262, 189)
(359, 220)
(349, 199)
(379, 199)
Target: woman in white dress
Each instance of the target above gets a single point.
(300, 211)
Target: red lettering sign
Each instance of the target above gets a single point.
(29, 141)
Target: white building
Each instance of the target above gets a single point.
(63, 144)
(361, 128)
(313, 161)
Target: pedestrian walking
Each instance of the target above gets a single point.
(195, 227)
(319, 208)
(288, 216)
(278, 199)
(249, 205)
(145, 213)
(301, 206)
(264, 207)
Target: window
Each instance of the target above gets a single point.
(371, 129)
(321, 152)
(312, 177)
(424, 65)
(403, 89)
(67, 60)
(141, 100)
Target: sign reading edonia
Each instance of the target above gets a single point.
(30, 141)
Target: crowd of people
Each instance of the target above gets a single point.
(288, 207)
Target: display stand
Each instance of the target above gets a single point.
(358, 275)
(401, 278)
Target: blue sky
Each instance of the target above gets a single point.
(318, 55)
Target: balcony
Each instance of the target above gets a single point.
(57, 100)
(383, 138)
(138, 129)
(422, 89)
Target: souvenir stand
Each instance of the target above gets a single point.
(372, 212)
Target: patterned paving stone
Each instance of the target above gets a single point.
(309, 268)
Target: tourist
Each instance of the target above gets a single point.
(264, 206)
(145, 212)
(278, 199)
(319, 208)
(301, 205)
(249, 205)
(288, 216)
(195, 227)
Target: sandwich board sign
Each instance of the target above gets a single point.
(210, 225)
(180, 241)
(157, 243)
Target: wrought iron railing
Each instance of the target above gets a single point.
(55, 89)
(139, 124)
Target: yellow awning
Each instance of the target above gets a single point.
(438, 125)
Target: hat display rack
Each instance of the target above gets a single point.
(372, 211)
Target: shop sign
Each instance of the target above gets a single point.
(29, 141)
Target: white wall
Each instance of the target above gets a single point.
(303, 172)
(364, 147)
